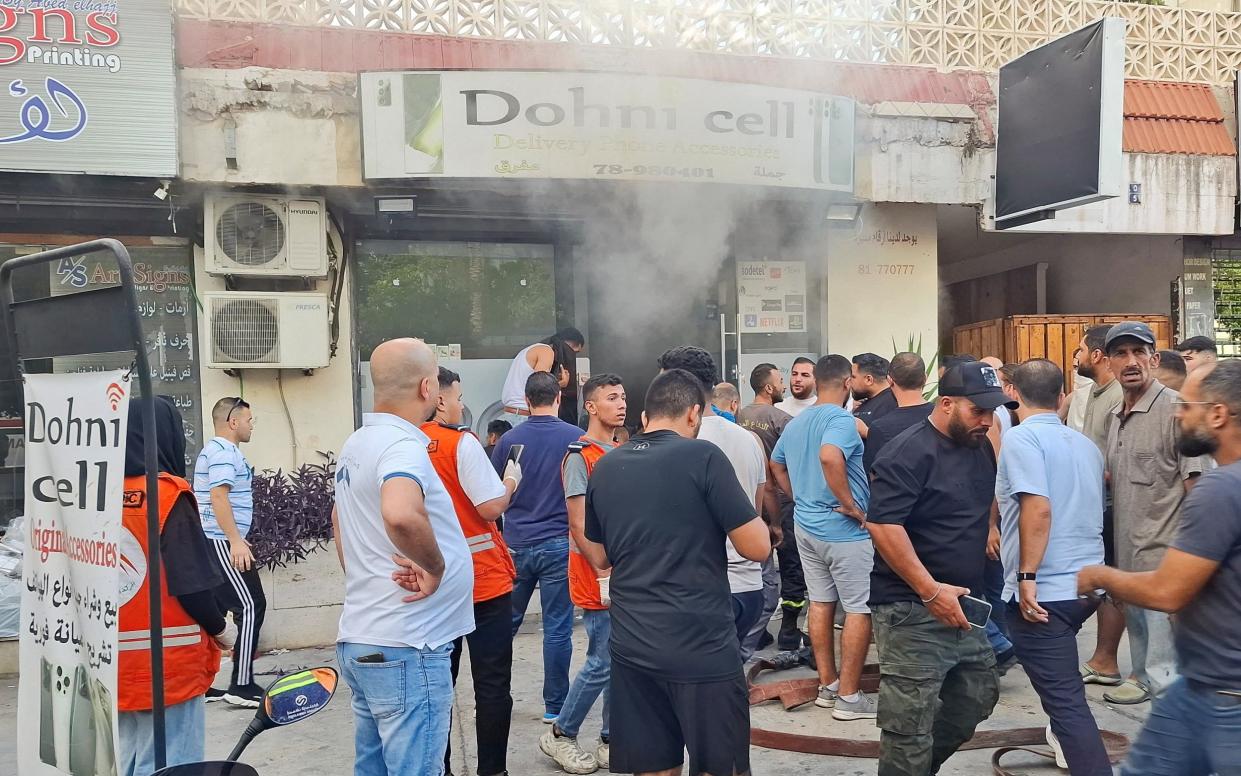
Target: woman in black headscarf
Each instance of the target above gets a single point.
(189, 577)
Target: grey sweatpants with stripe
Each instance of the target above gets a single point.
(241, 594)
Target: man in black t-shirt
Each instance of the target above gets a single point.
(929, 513)
(871, 387)
(658, 511)
(908, 375)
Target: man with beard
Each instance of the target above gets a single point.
(1149, 480)
(1101, 403)
(929, 513)
(801, 387)
(767, 421)
(871, 387)
(1194, 725)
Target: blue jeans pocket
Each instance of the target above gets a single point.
(382, 686)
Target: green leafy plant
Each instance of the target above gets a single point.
(915, 346)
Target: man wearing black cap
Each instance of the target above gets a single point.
(1149, 479)
(929, 514)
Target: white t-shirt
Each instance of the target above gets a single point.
(386, 447)
(794, 406)
(749, 462)
(514, 392)
(1082, 387)
(478, 478)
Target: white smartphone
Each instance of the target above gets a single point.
(977, 611)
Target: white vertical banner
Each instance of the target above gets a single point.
(75, 459)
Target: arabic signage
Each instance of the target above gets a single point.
(166, 307)
(601, 126)
(88, 86)
(75, 455)
(771, 296)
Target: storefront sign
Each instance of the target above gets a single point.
(771, 296)
(600, 126)
(1197, 298)
(88, 86)
(166, 308)
(75, 455)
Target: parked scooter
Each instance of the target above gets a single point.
(291, 698)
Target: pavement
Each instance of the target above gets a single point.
(323, 744)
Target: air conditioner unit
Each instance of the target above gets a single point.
(271, 236)
(248, 330)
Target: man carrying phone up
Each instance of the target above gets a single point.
(1050, 492)
(930, 510)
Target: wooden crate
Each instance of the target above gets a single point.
(1019, 338)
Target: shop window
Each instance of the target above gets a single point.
(490, 298)
(167, 307)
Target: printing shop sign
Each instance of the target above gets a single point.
(88, 86)
(75, 456)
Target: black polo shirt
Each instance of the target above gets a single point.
(942, 493)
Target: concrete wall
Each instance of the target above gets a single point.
(882, 281)
(320, 405)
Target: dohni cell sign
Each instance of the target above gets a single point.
(88, 86)
(75, 453)
(602, 126)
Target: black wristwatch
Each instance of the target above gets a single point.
(1026, 576)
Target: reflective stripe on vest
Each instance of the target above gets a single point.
(494, 571)
(179, 636)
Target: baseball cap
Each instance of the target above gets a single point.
(977, 382)
(1136, 329)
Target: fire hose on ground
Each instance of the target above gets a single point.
(793, 693)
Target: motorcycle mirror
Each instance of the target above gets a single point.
(294, 697)
(217, 768)
(291, 698)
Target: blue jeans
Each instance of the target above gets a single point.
(997, 627)
(547, 565)
(1191, 731)
(402, 708)
(184, 729)
(1151, 647)
(594, 678)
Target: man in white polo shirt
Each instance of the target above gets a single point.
(394, 645)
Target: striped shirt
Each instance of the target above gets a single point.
(221, 463)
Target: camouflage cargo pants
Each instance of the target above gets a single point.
(937, 685)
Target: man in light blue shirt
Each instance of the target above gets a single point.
(818, 459)
(222, 481)
(1049, 487)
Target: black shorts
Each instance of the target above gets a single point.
(653, 723)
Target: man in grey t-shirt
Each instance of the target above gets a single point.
(1195, 725)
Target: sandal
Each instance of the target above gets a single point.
(1091, 676)
(1130, 693)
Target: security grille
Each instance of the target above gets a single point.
(250, 233)
(246, 331)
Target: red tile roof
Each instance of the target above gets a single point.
(1174, 118)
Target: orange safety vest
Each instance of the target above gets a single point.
(583, 582)
(191, 658)
(494, 571)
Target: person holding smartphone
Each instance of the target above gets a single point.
(1050, 492)
(930, 510)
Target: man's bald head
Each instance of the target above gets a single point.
(404, 372)
(993, 362)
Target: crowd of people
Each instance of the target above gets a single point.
(963, 530)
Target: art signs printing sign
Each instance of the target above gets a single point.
(87, 86)
(602, 126)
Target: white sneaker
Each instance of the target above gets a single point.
(567, 754)
(603, 754)
(826, 699)
(865, 707)
(1054, 743)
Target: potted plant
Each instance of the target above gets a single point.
(293, 512)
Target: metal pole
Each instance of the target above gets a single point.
(151, 446)
(723, 346)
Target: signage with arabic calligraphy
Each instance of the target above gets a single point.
(88, 86)
(166, 307)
